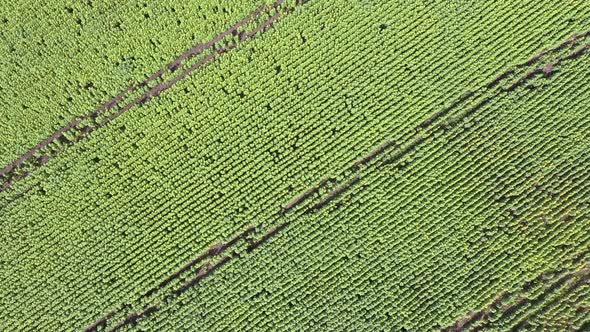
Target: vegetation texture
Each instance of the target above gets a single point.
(295, 165)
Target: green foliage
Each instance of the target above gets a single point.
(62, 59)
(480, 198)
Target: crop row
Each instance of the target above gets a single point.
(63, 60)
(204, 270)
(496, 261)
(508, 302)
(183, 179)
(185, 277)
(191, 60)
(173, 285)
(487, 266)
(427, 128)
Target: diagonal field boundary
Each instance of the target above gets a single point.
(257, 22)
(540, 66)
(506, 304)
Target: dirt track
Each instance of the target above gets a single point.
(25, 164)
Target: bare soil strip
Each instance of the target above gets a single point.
(570, 282)
(434, 122)
(213, 252)
(335, 193)
(501, 309)
(237, 34)
(218, 249)
(203, 270)
(272, 232)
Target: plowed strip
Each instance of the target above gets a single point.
(10, 173)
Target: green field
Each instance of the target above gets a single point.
(313, 165)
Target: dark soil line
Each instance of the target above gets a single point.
(101, 323)
(425, 124)
(112, 103)
(159, 88)
(306, 195)
(583, 275)
(192, 52)
(465, 322)
(578, 53)
(572, 41)
(43, 144)
(107, 105)
(156, 90)
(207, 269)
(204, 271)
(273, 231)
(199, 48)
(500, 78)
(373, 154)
(537, 57)
(299, 199)
(132, 318)
(546, 71)
(8, 184)
(263, 27)
(213, 251)
(527, 77)
(437, 115)
(417, 140)
(335, 193)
